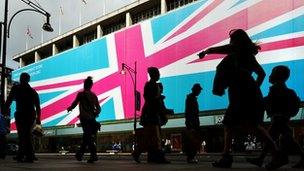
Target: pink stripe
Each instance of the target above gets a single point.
(131, 40)
(73, 121)
(13, 126)
(58, 106)
(216, 33)
(283, 44)
(197, 18)
(58, 85)
(269, 9)
(264, 47)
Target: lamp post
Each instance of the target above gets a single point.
(132, 71)
(6, 28)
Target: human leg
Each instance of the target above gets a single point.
(274, 133)
(226, 160)
(21, 134)
(278, 159)
(288, 141)
(154, 144)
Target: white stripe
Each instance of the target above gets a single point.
(219, 13)
(182, 67)
(276, 21)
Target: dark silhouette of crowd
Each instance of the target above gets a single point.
(245, 110)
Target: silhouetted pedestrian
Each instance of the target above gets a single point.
(282, 103)
(192, 136)
(246, 107)
(27, 112)
(150, 120)
(89, 109)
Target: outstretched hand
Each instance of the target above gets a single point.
(202, 54)
(69, 109)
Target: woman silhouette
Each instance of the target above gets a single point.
(246, 106)
(150, 120)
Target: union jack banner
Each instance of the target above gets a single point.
(171, 43)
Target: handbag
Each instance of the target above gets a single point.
(97, 126)
(38, 131)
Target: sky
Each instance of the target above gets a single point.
(71, 13)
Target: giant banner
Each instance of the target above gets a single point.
(170, 42)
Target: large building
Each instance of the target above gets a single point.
(167, 34)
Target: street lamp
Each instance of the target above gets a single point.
(132, 71)
(6, 28)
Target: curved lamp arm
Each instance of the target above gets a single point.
(27, 9)
(130, 71)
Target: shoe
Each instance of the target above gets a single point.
(136, 157)
(277, 163)
(224, 162)
(192, 161)
(92, 159)
(255, 161)
(299, 164)
(78, 156)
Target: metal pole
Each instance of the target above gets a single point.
(135, 72)
(0, 37)
(3, 66)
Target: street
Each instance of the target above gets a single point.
(108, 163)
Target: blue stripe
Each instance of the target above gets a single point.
(291, 26)
(88, 57)
(238, 3)
(54, 122)
(44, 97)
(161, 26)
(107, 111)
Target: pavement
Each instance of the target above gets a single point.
(124, 162)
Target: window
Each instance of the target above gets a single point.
(113, 27)
(144, 15)
(173, 4)
(89, 37)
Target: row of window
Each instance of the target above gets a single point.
(173, 4)
(88, 37)
(144, 15)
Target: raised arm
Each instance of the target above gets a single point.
(225, 49)
(75, 102)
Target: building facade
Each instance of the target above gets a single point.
(166, 34)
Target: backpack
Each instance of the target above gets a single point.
(284, 102)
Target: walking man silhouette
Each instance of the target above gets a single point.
(282, 103)
(27, 112)
(193, 133)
